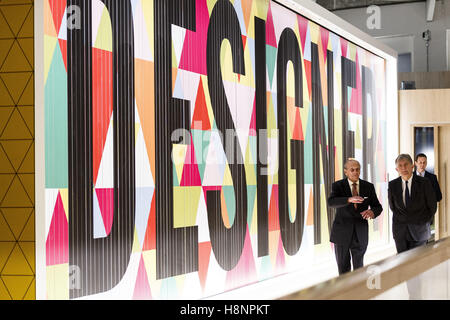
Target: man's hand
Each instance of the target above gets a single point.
(368, 214)
(355, 199)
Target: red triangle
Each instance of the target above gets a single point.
(102, 103)
(307, 65)
(106, 203)
(57, 244)
(274, 221)
(200, 120)
(58, 8)
(204, 254)
(142, 288)
(271, 40)
(298, 129)
(210, 188)
(150, 234)
(303, 28)
(190, 175)
(252, 129)
(63, 47)
(324, 35)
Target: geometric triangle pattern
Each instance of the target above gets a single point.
(199, 164)
(17, 237)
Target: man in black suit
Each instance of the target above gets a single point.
(350, 233)
(413, 203)
(421, 165)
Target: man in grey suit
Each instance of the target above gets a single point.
(413, 203)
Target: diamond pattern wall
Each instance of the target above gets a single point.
(17, 240)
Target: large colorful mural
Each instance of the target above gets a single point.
(190, 145)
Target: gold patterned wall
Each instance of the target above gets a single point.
(17, 234)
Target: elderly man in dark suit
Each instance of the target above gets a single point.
(352, 198)
(413, 203)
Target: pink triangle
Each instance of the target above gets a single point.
(57, 244)
(142, 288)
(63, 47)
(253, 120)
(356, 99)
(303, 27)
(271, 40)
(245, 270)
(193, 55)
(344, 45)
(190, 175)
(106, 203)
(281, 260)
(324, 35)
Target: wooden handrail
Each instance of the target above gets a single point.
(391, 272)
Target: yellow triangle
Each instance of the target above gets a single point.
(65, 201)
(179, 156)
(147, 8)
(136, 244)
(17, 264)
(314, 32)
(49, 49)
(104, 34)
(227, 180)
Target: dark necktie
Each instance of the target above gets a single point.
(354, 193)
(407, 197)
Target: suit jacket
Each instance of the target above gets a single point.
(434, 183)
(420, 211)
(347, 217)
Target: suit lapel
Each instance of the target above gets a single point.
(346, 186)
(399, 191)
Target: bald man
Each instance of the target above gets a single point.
(355, 201)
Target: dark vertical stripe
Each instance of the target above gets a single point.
(102, 261)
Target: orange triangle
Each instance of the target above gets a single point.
(200, 119)
(16, 151)
(17, 264)
(17, 218)
(298, 129)
(204, 254)
(310, 216)
(16, 60)
(18, 286)
(16, 15)
(16, 196)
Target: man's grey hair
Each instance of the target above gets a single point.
(351, 160)
(404, 156)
